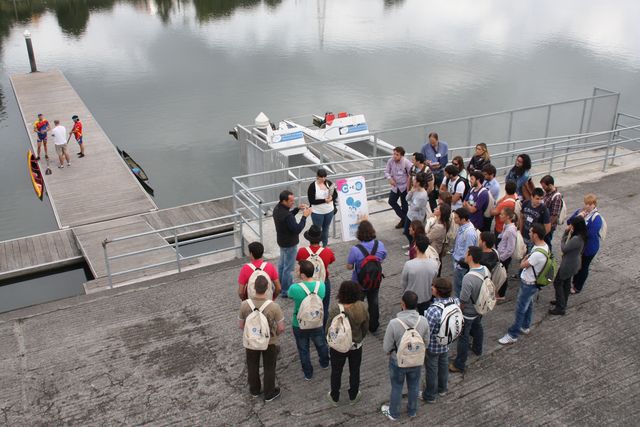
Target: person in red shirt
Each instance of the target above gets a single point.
(256, 250)
(507, 201)
(76, 131)
(314, 236)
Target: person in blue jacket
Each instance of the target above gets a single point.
(520, 172)
(594, 223)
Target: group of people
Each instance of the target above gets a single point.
(442, 213)
(42, 127)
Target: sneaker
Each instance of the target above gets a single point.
(255, 395)
(573, 290)
(81, 155)
(400, 224)
(276, 394)
(330, 399)
(552, 302)
(306, 378)
(556, 312)
(429, 401)
(405, 246)
(61, 167)
(406, 253)
(454, 369)
(386, 413)
(46, 156)
(507, 339)
(525, 331)
(357, 399)
(325, 367)
(442, 393)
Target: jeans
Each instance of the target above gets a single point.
(303, 336)
(337, 364)
(472, 328)
(326, 300)
(458, 275)
(397, 376)
(503, 289)
(269, 357)
(583, 273)
(324, 222)
(524, 309)
(393, 202)
(437, 373)
(563, 290)
(286, 263)
(374, 309)
(438, 177)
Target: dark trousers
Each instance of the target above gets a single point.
(563, 289)
(269, 357)
(486, 224)
(433, 196)
(337, 364)
(402, 209)
(583, 273)
(472, 329)
(503, 289)
(374, 309)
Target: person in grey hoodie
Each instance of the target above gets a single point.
(410, 317)
(572, 245)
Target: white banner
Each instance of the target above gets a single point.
(352, 199)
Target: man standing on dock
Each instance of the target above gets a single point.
(398, 172)
(436, 154)
(59, 135)
(287, 234)
(41, 127)
(76, 131)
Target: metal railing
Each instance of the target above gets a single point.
(235, 220)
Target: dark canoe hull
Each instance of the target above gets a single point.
(136, 170)
(36, 174)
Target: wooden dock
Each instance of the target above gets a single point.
(98, 187)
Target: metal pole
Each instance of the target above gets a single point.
(614, 125)
(553, 152)
(177, 248)
(469, 130)
(566, 152)
(241, 236)
(106, 261)
(260, 215)
(513, 145)
(546, 129)
(32, 57)
(375, 154)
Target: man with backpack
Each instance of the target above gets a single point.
(365, 259)
(477, 200)
(308, 318)
(472, 284)
(320, 257)
(405, 343)
(455, 185)
(445, 323)
(533, 265)
(553, 201)
(466, 236)
(418, 273)
(254, 268)
(262, 321)
(533, 212)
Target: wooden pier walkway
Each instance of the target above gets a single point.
(98, 187)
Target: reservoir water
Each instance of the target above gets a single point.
(167, 79)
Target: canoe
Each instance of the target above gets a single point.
(136, 169)
(36, 174)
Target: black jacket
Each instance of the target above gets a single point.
(287, 229)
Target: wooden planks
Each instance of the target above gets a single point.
(98, 187)
(39, 252)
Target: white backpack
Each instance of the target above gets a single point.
(256, 328)
(562, 215)
(499, 273)
(319, 272)
(603, 228)
(311, 311)
(487, 296)
(339, 335)
(251, 283)
(451, 322)
(411, 350)
(491, 204)
(521, 247)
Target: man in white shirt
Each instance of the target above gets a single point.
(454, 185)
(59, 136)
(532, 265)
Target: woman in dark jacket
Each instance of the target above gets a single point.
(572, 244)
(480, 159)
(520, 172)
(322, 195)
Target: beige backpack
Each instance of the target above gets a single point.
(412, 349)
(311, 311)
(339, 335)
(256, 328)
(251, 283)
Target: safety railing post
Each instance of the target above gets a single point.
(241, 230)
(260, 216)
(566, 152)
(105, 242)
(509, 132)
(614, 125)
(469, 132)
(375, 154)
(176, 246)
(546, 128)
(553, 153)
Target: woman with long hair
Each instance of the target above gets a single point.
(322, 195)
(520, 172)
(594, 223)
(572, 244)
(356, 313)
(458, 162)
(480, 158)
(416, 228)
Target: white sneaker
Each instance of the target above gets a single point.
(525, 331)
(507, 339)
(406, 253)
(405, 246)
(386, 413)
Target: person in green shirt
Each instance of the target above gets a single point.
(304, 336)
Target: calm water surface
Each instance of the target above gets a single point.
(167, 79)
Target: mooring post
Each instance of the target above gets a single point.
(32, 57)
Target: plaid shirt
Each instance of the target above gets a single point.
(433, 315)
(553, 202)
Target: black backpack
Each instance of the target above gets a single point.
(467, 186)
(370, 271)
